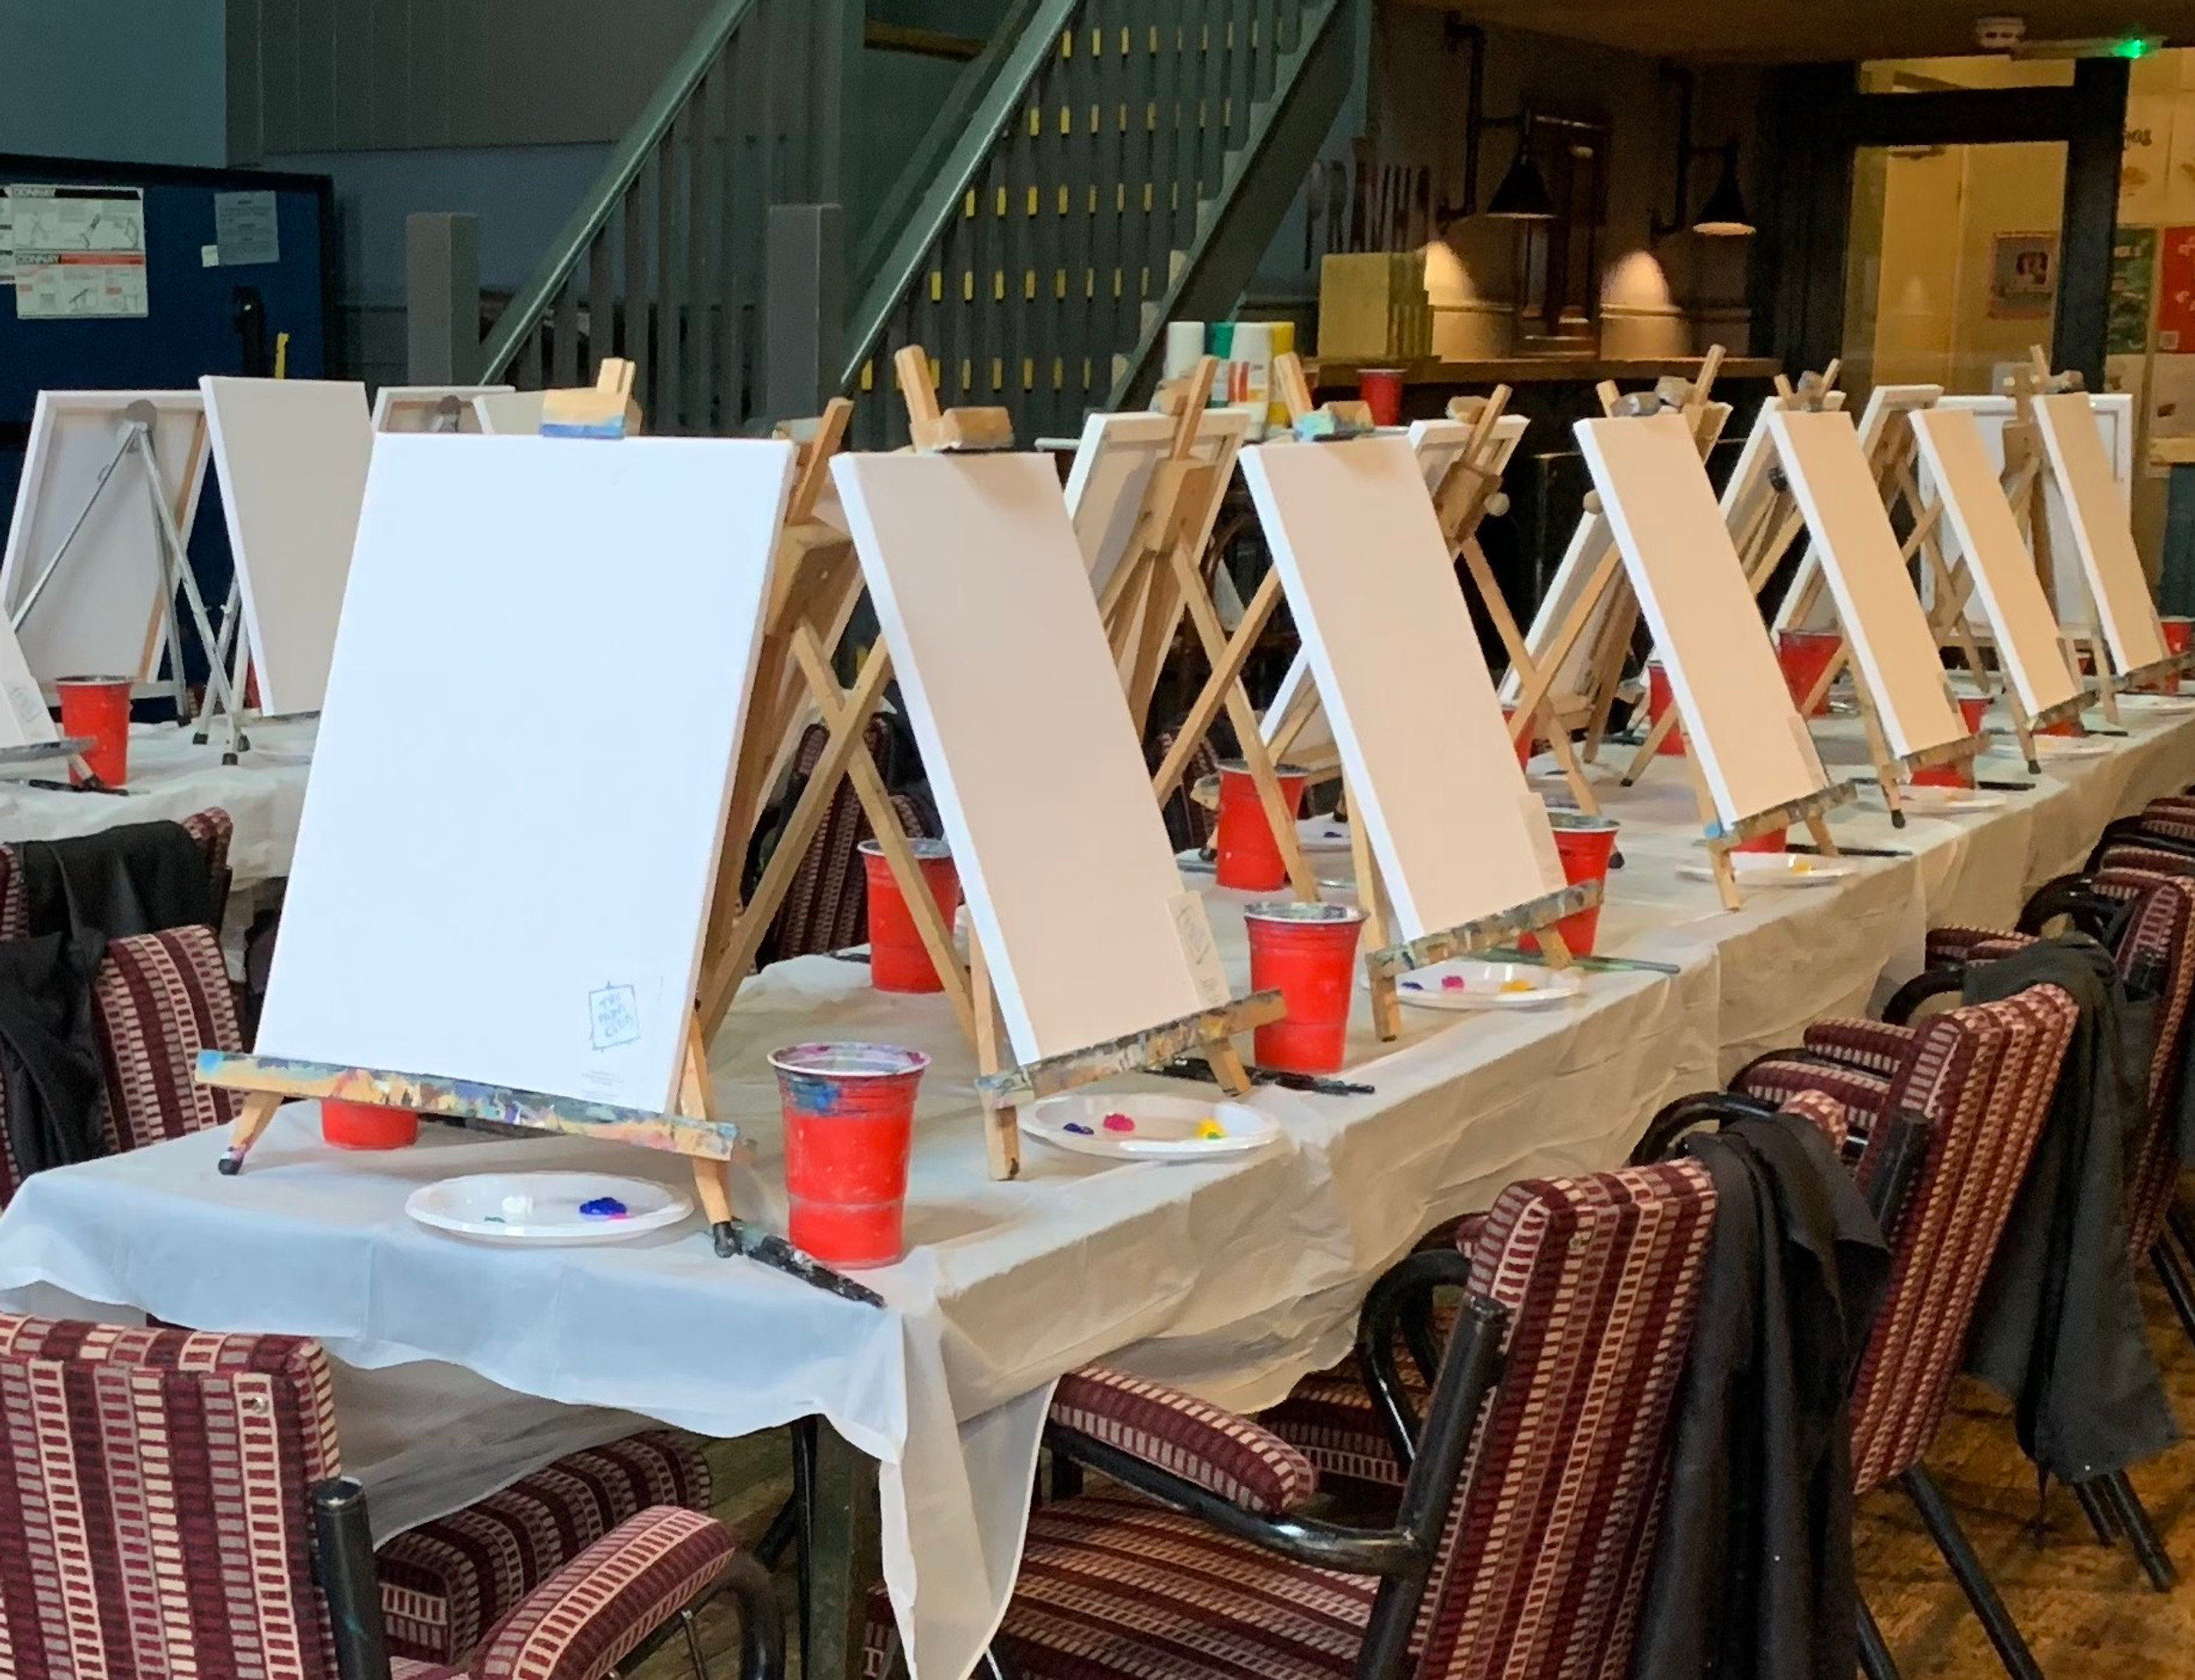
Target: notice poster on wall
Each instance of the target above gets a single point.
(2175, 290)
(2023, 275)
(2134, 291)
(78, 252)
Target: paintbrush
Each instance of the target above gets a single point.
(1844, 850)
(1590, 965)
(1192, 1067)
(738, 1236)
(2007, 787)
(74, 787)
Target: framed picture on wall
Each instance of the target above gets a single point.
(2023, 275)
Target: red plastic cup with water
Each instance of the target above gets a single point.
(96, 709)
(1586, 845)
(1660, 698)
(1249, 859)
(1522, 743)
(1380, 389)
(1805, 656)
(849, 1111)
(1308, 952)
(1971, 707)
(2179, 635)
(898, 960)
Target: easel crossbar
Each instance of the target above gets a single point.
(1483, 934)
(470, 1099)
(1782, 817)
(1137, 1052)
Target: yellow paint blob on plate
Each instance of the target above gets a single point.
(1518, 986)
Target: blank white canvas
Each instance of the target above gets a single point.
(417, 408)
(1457, 834)
(1887, 406)
(1884, 622)
(2102, 535)
(1439, 445)
(24, 721)
(292, 456)
(1753, 749)
(1010, 690)
(511, 413)
(96, 617)
(2018, 614)
(524, 905)
(1113, 469)
(1589, 545)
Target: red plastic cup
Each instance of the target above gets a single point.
(898, 960)
(1971, 707)
(1587, 844)
(366, 1125)
(1974, 708)
(1523, 743)
(1309, 952)
(849, 1128)
(2179, 635)
(1805, 656)
(1381, 390)
(1658, 701)
(1249, 858)
(2064, 726)
(98, 709)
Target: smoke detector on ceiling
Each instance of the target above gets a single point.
(1999, 33)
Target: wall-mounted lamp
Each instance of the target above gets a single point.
(1522, 194)
(1724, 215)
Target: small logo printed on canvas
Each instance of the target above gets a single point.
(614, 1016)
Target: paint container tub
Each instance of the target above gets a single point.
(98, 709)
(1658, 701)
(1249, 859)
(849, 1127)
(898, 960)
(1380, 390)
(1308, 952)
(366, 1125)
(1586, 845)
(1971, 707)
(2065, 726)
(1522, 743)
(1805, 656)
(2179, 635)
(1772, 841)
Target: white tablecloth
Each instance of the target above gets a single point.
(171, 778)
(1233, 1278)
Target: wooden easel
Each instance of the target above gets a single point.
(1158, 579)
(1606, 598)
(846, 714)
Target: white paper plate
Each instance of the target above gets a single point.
(2156, 702)
(2069, 746)
(1948, 802)
(544, 1207)
(1162, 1128)
(1467, 983)
(1776, 869)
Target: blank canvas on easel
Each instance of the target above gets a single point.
(292, 456)
(1884, 622)
(2101, 533)
(523, 903)
(984, 601)
(101, 614)
(431, 409)
(2020, 618)
(1457, 832)
(1751, 746)
(1113, 469)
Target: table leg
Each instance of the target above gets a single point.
(847, 1558)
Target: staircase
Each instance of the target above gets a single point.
(1105, 166)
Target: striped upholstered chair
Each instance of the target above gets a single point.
(1982, 1077)
(158, 999)
(1532, 1493)
(176, 1507)
(212, 829)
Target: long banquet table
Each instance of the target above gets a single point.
(1233, 1278)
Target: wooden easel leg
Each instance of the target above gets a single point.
(1225, 1062)
(2023, 730)
(259, 1108)
(1817, 825)
(1886, 766)
(1387, 1008)
(1718, 851)
(712, 1178)
(1002, 1130)
(2098, 656)
(1554, 946)
(1367, 873)
(1574, 772)
(1650, 749)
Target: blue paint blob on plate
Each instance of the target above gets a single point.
(604, 1207)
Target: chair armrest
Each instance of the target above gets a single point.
(1874, 1046)
(1243, 1462)
(1950, 946)
(628, 1586)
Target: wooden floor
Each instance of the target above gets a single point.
(2087, 1612)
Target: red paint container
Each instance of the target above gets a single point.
(98, 709)
(1772, 841)
(1380, 389)
(1586, 845)
(1308, 951)
(1971, 707)
(1249, 859)
(2179, 635)
(1658, 701)
(366, 1125)
(898, 960)
(1523, 743)
(1805, 656)
(849, 1128)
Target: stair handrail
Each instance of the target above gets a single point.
(941, 201)
(522, 315)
